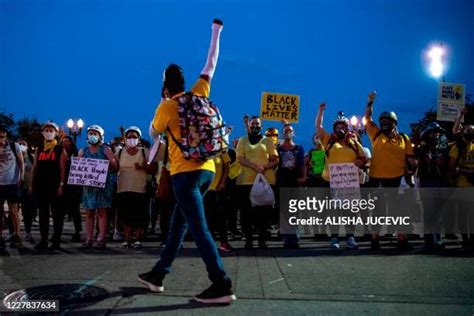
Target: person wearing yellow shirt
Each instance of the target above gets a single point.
(461, 163)
(256, 154)
(190, 181)
(340, 147)
(215, 201)
(392, 158)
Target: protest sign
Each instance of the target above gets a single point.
(277, 107)
(318, 158)
(88, 172)
(450, 101)
(343, 175)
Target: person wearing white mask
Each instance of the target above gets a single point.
(93, 198)
(47, 185)
(133, 172)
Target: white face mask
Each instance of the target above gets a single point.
(23, 148)
(132, 142)
(48, 135)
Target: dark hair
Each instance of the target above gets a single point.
(74, 150)
(3, 128)
(174, 79)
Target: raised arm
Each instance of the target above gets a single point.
(369, 109)
(318, 123)
(457, 124)
(213, 54)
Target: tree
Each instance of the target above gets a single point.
(8, 121)
(29, 129)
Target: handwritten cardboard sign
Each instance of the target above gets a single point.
(343, 175)
(451, 99)
(277, 107)
(88, 172)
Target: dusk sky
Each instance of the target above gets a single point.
(102, 61)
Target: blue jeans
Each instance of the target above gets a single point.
(189, 189)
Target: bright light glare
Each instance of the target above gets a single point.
(70, 123)
(80, 123)
(364, 121)
(436, 53)
(436, 69)
(354, 120)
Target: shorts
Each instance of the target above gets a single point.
(9, 193)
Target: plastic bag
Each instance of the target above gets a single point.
(261, 193)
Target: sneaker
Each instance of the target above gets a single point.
(226, 247)
(87, 244)
(126, 244)
(2, 243)
(29, 238)
(352, 244)
(154, 281)
(216, 294)
(42, 245)
(334, 243)
(375, 244)
(137, 245)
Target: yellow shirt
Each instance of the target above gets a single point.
(257, 154)
(388, 154)
(219, 162)
(466, 162)
(166, 115)
(339, 153)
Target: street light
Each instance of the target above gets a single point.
(358, 125)
(75, 128)
(436, 67)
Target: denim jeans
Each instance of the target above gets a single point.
(189, 189)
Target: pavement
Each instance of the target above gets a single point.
(275, 281)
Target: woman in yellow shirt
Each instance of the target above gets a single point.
(340, 147)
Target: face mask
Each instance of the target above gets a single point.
(340, 133)
(48, 136)
(93, 139)
(23, 148)
(256, 130)
(289, 135)
(132, 142)
(386, 126)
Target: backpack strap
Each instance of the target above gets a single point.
(174, 139)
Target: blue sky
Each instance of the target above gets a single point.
(103, 60)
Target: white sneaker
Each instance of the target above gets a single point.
(335, 243)
(126, 244)
(352, 244)
(137, 245)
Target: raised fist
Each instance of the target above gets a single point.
(217, 21)
(372, 96)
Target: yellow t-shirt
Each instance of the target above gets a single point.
(466, 162)
(166, 115)
(388, 154)
(257, 154)
(339, 153)
(219, 162)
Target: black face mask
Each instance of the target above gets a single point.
(386, 127)
(340, 134)
(255, 130)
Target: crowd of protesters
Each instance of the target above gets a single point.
(210, 197)
(133, 201)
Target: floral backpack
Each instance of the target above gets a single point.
(204, 134)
